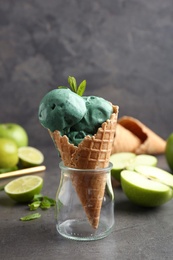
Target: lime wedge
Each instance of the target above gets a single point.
(24, 188)
(30, 156)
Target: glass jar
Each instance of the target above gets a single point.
(85, 203)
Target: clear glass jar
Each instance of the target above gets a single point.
(85, 203)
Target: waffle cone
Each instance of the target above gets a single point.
(125, 141)
(133, 136)
(92, 153)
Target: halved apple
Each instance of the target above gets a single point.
(142, 159)
(147, 186)
(128, 161)
(120, 161)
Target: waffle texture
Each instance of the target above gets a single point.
(92, 153)
(133, 136)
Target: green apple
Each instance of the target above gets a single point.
(15, 132)
(147, 186)
(120, 161)
(169, 151)
(128, 161)
(142, 159)
(8, 153)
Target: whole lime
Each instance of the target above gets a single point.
(15, 132)
(169, 151)
(8, 153)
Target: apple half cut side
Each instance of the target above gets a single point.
(147, 186)
(142, 159)
(120, 161)
(128, 161)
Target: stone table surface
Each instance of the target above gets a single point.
(138, 233)
(123, 48)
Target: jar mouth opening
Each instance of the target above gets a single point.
(106, 169)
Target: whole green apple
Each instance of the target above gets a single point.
(15, 132)
(147, 186)
(8, 153)
(169, 151)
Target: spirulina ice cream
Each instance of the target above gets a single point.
(73, 115)
(83, 131)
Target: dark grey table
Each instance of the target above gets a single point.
(123, 48)
(138, 233)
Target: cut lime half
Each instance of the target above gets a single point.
(24, 188)
(30, 156)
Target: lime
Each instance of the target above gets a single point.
(169, 151)
(8, 153)
(30, 156)
(24, 188)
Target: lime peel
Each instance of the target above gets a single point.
(30, 156)
(24, 188)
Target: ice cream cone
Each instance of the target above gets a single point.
(90, 187)
(133, 136)
(92, 153)
(125, 140)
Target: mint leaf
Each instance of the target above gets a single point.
(72, 83)
(34, 205)
(31, 217)
(51, 201)
(81, 88)
(37, 197)
(47, 202)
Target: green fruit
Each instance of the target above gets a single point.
(142, 159)
(24, 188)
(8, 153)
(30, 156)
(147, 186)
(128, 161)
(120, 161)
(169, 151)
(15, 132)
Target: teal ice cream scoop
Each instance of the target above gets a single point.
(71, 114)
(98, 111)
(60, 109)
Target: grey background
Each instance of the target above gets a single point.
(122, 48)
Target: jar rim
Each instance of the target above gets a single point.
(108, 168)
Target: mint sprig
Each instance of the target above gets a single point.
(30, 217)
(74, 87)
(39, 201)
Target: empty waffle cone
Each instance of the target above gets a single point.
(92, 153)
(133, 136)
(125, 140)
